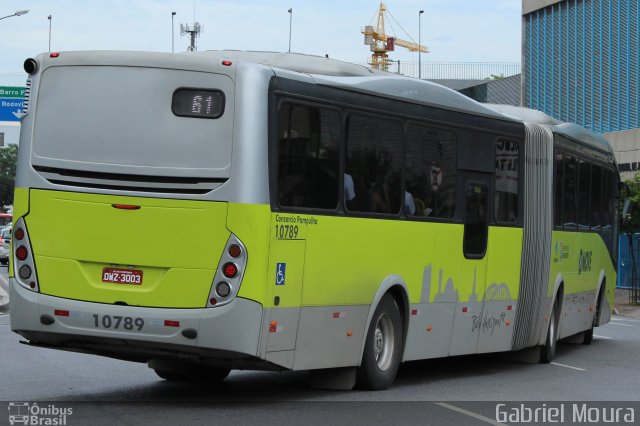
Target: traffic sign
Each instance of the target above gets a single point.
(11, 92)
(11, 103)
(10, 109)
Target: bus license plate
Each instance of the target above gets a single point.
(122, 276)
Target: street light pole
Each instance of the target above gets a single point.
(172, 33)
(290, 21)
(17, 13)
(419, 44)
(49, 18)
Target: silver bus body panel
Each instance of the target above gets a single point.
(570, 130)
(417, 91)
(125, 125)
(244, 175)
(234, 327)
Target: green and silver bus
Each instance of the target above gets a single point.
(210, 211)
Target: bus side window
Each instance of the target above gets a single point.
(584, 191)
(570, 189)
(596, 198)
(308, 156)
(430, 171)
(606, 206)
(476, 226)
(374, 156)
(506, 196)
(559, 181)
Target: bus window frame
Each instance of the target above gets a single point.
(275, 157)
(468, 126)
(345, 142)
(520, 203)
(467, 179)
(566, 147)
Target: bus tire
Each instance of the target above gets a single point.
(588, 334)
(383, 347)
(193, 373)
(548, 350)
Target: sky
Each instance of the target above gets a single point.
(453, 30)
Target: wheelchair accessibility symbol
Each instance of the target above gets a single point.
(280, 273)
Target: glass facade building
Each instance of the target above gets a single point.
(581, 61)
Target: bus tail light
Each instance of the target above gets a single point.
(234, 250)
(22, 253)
(228, 277)
(23, 262)
(230, 270)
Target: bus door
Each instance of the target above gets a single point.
(468, 316)
(284, 294)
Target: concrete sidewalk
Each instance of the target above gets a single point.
(623, 307)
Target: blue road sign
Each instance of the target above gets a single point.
(11, 109)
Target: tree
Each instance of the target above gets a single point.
(631, 221)
(8, 160)
(631, 225)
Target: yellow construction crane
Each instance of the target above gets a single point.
(380, 43)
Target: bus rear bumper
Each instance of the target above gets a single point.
(137, 333)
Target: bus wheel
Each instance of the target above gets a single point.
(191, 373)
(383, 346)
(588, 334)
(548, 350)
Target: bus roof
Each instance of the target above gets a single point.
(569, 130)
(297, 62)
(348, 76)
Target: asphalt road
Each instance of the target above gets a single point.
(446, 391)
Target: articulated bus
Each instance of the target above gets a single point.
(210, 211)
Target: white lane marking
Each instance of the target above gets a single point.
(624, 319)
(568, 366)
(601, 337)
(623, 325)
(470, 414)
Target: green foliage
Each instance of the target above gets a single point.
(8, 160)
(631, 221)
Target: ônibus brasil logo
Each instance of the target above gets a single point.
(25, 413)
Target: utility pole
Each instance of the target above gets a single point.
(419, 43)
(172, 33)
(290, 22)
(49, 18)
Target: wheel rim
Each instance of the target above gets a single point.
(384, 342)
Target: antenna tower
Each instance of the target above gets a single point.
(194, 32)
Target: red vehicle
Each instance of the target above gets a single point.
(5, 219)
